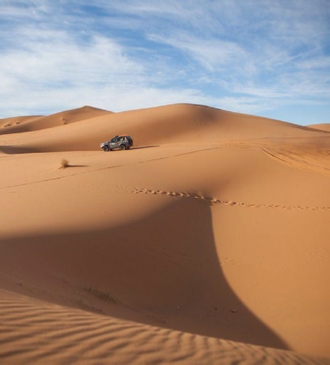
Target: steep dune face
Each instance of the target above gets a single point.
(212, 229)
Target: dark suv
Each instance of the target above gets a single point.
(121, 142)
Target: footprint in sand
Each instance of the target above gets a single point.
(212, 201)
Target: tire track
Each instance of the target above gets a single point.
(212, 200)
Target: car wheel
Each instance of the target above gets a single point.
(122, 147)
(105, 148)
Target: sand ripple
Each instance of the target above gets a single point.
(34, 332)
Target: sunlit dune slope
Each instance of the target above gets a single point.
(25, 124)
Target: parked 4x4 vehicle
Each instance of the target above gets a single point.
(122, 142)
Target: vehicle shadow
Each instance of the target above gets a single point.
(162, 270)
(134, 148)
(143, 147)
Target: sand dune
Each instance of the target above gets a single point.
(26, 124)
(176, 123)
(207, 242)
(324, 127)
(14, 122)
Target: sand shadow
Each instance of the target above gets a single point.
(73, 165)
(12, 150)
(163, 267)
(136, 148)
(143, 147)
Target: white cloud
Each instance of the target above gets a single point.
(210, 53)
(52, 66)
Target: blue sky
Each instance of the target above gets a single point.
(262, 57)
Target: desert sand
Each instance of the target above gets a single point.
(323, 126)
(206, 243)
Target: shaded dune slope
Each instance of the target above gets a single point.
(169, 276)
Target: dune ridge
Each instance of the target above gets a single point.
(207, 242)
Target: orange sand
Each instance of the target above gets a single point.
(206, 243)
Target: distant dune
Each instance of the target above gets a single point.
(324, 127)
(205, 243)
(26, 124)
